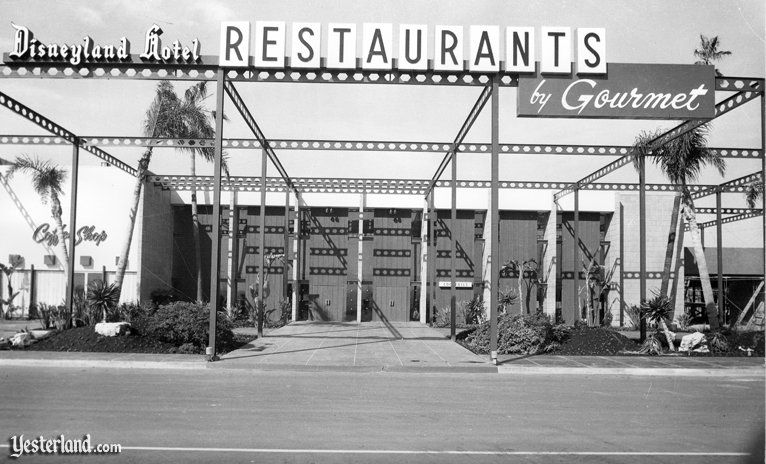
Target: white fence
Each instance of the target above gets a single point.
(50, 286)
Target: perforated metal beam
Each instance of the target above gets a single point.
(137, 69)
(61, 133)
(735, 101)
(403, 186)
(736, 185)
(464, 129)
(756, 211)
(726, 220)
(235, 97)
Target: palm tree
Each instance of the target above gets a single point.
(47, 180)
(753, 192)
(170, 116)
(681, 160)
(709, 53)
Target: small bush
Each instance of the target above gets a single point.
(652, 345)
(284, 311)
(517, 334)
(183, 323)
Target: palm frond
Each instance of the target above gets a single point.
(753, 192)
(47, 178)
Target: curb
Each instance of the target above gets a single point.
(756, 372)
(107, 364)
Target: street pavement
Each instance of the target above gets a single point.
(238, 415)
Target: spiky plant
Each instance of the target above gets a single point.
(102, 297)
(658, 309)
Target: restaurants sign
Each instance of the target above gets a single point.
(628, 91)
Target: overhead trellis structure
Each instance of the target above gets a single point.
(403, 186)
(745, 90)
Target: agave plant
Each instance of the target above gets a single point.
(102, 297)
(658, 309)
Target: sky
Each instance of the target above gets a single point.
(658, 31)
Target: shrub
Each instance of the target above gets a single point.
(473, 311)
(517, 334)
(652, 345)
(182, 323)
(162, 296)
(285, 312)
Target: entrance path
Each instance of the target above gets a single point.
(366, 346)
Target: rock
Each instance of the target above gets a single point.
(694, 341)
(113, 329)
(21, 339)
(38, 334)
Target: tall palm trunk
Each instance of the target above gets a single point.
(56, 213)
(699, 254)
(195, 230)
(143, 166)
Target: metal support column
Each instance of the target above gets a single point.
(286, 249)
(296, 256)
(431, 257)
(622, 266)
(69, 272)
(719, 253)
(360, 261)
(216, 245)
(261, 301)
(576, 255)
(425, 263)
(495, 214)
(642, 239)
(453, 248)
(763, 181)
(233, 254)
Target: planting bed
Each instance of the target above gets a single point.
(85, 339)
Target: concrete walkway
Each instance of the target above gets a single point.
(367, 346)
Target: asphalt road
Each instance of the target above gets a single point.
(241, 416)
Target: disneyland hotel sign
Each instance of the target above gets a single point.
(568, 76)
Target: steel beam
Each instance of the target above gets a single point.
(735, 185)
(575, 257)
(719, 251)
(453, 248)
(216, 245)
(69, 137)
(261, 300)
(727, 220)
(735, 101)
(239, 103)
(494, 225)
(467, 124)
(642, 241)
(138, 70)
(72, 227)
(352, 145)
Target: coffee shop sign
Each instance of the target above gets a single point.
(47, 235)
